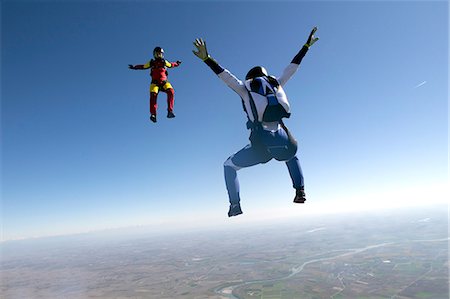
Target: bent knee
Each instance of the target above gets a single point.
(167, 86)
(229, 163)
(154, 88)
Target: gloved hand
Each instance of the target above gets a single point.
(311, 39)
(202, 52)
(130, 66)
(178, 62)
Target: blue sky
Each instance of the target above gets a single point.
(369, 109)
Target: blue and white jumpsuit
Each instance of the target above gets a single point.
(268, 140)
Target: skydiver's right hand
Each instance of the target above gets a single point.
(311, 39)
(202, 52)
(130, 66)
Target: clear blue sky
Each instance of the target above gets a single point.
(369, 107)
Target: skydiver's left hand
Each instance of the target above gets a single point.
(311, 39)
(130, 66)
(178, 62)
(202, 52)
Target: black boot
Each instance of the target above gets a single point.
(170, 114)
(153, 118)
(235, 209)
(300, 196)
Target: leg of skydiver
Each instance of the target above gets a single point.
(231, 181)
(293, 164)
(246, 157)
(170, 100)
(295, 171)
(154, 89)
(153, 106)
(167, 87)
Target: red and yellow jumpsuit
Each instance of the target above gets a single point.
(159, 82)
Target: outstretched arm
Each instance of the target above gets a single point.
(226, 76)
(295, 63)
(139, 66)
(173, 64)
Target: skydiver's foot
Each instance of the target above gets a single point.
(170, 114)
(300, 196)
(235, 209)
(153, 118)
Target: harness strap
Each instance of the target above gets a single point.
(255, 123)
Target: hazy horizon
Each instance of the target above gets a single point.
(265, 217)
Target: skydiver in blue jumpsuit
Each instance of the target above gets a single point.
(265, 104)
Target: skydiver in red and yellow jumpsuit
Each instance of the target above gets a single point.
(159, 82)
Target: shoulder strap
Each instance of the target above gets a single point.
(252, 105)
(255, 123)
(273, 81)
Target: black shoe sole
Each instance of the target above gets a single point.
(300, 200)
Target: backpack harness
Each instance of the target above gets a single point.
(265, 90)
